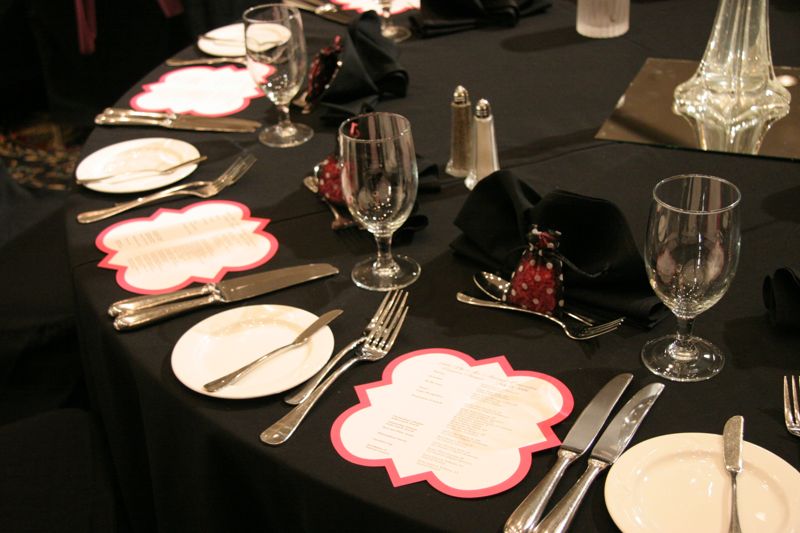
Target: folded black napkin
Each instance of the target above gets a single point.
(782, 297)
(595, 238)
(441, 17)
(369, 71)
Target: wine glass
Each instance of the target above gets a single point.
(277, 61)
(379, 182)
(388, 28)
(691, 253)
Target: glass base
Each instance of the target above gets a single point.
(395, 33)
(697, 360)
(285, 137)
(405, 273)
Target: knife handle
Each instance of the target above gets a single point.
(527, 514)
(115, 120)
(148, 316)
(137, 303)
(559, 519)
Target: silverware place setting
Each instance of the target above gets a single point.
(575, 331)
(374, 347)
(133, 174)
(791, 404)
(113, 116)
(201, 189)
(139, 311)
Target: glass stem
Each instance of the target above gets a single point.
(682, 348)
(386, 12)
(384, 261)
(284, 123)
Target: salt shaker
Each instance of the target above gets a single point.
(484, 147)
(460, 134)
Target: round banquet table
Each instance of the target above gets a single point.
(187, 462)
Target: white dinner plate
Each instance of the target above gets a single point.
(229, 340)
(227, 41)
(137, 154)
(679, 483)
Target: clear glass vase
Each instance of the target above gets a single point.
(734, 97)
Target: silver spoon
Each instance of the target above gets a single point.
(495, 287)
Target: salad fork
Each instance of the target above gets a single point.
(387, 304)
(791, 404)
(375, 347)
(201, 189)
(580, 332)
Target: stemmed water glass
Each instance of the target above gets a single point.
(388, 28)
(277, 61)
(379, 182)
(691, 253)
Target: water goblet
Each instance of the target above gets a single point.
(379, 182)
(388, 28)
(277, 61)
(691, 253)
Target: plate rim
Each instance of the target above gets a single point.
(169, 179)
(229, 393)
(787, 471)
(208, 46)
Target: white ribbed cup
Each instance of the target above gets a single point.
(601, 19)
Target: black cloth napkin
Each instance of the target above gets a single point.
(782, 297)
(595, 237)
(369, 71)
(441, 17)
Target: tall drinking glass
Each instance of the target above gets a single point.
(379, 182)
(388, 28)
(277, 61)
(691, 253)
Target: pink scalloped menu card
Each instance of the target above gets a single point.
(202, 91)
(176, 247)
(466, 427)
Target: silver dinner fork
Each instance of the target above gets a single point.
(791, 404)
(375, 347)
(580, 332)
(389, 302)
(201, 189)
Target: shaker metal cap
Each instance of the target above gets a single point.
(483, 109)
(460, 95)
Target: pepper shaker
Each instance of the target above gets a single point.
(460, 134)
(484, 147)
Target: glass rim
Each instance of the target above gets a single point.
(291, 12)
(677, 177)
(406, 129)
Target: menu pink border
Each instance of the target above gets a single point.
(120, 276)
(163, 79)
(551, 440)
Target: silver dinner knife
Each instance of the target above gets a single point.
(142, 310)
(732, 436)
(302, 338)
(129, 117)
(575, 444)
(612, 443)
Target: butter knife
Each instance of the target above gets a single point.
(609, 447)
(732, 436)
(577, 441)
(129, 117)
(141, 310)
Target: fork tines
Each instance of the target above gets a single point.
(791, 404)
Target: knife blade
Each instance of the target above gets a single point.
(575, 444)
(129, 117)
(732, 436)
(609, 447)
(141, 310)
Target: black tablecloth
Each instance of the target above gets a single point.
(187, 462)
